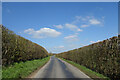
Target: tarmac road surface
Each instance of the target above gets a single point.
(57, 68)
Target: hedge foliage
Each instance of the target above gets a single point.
(16, 48)
(102, 57)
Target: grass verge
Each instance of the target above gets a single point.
(0, 74)
(89, 72)
(23, 69)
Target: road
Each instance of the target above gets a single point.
(57, 68)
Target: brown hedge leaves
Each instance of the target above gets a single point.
(102, 57)
(16, 48)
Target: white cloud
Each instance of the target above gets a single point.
(29, 31)
(72, 27)
(92, 41)
(88, 20)
(71, 38)
(80, 19)
(69, 26)
(94, 21)
(77, 19)
(84, 26)
(42, 33)
(80, 30)
(98, 40)
(95, 41)
(59, 47)
(58, 26)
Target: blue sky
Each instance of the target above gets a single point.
(60, 0)
(60, 27)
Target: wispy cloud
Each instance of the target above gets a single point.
(88, 21)
(82, 21)
(29, 31)
(95, 41)
(72, 27)
(42, 33)
(94, 21)
(84, 25)
(58, 26)
(77, 19)
(59, 47)
(92, 41)
(71, 38)
(79, 30)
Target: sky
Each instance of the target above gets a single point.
(60, 0)
(62, 26)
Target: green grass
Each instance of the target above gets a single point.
(0, 72)
(23, 69)
(87, 71)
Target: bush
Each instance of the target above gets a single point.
(16, 48)
(102, 57)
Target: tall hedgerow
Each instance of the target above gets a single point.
(102, 57)
(16, 48)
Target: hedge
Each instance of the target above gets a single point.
(16, 48)
(102, 57)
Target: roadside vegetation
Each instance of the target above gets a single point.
(102, 57)
(89, 72)
(16, 48)
(20, 56)
(23, 69)
(0, 72)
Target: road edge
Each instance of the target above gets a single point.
(74, 67)
(32, 75)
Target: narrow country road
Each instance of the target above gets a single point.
(57, 68)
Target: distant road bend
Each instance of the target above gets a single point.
(57, 68)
